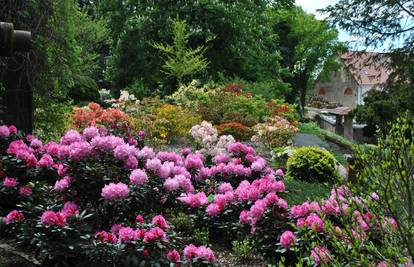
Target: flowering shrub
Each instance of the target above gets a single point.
(284, 110)
(235, 129)
(276, 132)
(94, 181)
(341, 230)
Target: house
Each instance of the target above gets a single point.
(360, 73)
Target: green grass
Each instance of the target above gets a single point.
(301, 191)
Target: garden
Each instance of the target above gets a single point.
(177, 134)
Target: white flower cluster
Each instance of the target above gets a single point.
(207, 137)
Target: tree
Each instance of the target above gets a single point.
(235, 33)
(390, 25)
(182, 61)
(307, 45)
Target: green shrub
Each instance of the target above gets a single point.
(312, 164)
(301, 191)
(138, 89)
(243, 249)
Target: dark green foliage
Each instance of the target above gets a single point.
(234, 33)
(301, 191)
(307, 46)
(312, 164)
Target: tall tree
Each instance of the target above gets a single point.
(234, 32)
(388, 25)
(307, 45)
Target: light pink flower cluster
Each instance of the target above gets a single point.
(14, 216)
(4, 131)
(194, 200)
(202, 253)
(62, 184)
(115, 191)
(138, 177)
(313, 221)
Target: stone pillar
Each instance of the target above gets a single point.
(338, 124)
(348, 128)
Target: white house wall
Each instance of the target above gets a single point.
(335, 89)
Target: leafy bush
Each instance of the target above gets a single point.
(387, 169)
(312, 164)
(243, 249)
(276, 132)
(52, 119)
(237, 130)
(138, 89)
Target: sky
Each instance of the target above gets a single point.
(311, 6)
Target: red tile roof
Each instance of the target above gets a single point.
(368, 68)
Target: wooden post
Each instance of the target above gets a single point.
(348, 127)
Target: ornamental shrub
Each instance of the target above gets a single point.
(85, 199)
(236, 129)
(275, 132)
(312, 164)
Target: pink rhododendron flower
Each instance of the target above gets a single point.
(213, 209)
(171, 184)
(314, 222)
(138, 177)
(79, 150)
(225, 187)
(12, 129)
(90, 132)
(146, 153)
(45, 161)
(70, 137)
(154, 234)
(300, 210)
(31, 161)
(153, 164)
(193, 161)
(107, 143)
(160, 221)
(173, 256)
(25, 191)
(62, 184)
(127, 234)
(52, 218)
(69, 209)
(9, 182)
(279, 172)
(258, 165)
(14, 216)
(115, 191)
(320, 255)
(4, 131)
(131, 162)
(202, 253)
(36, 143)
(194, 200)
(106, 237)
(123, 151)
(115, 228)
(139, 219)
(382, 264)
(287, 239)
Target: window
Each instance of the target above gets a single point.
(348, 91)
(322, 91)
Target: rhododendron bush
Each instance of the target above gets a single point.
(91, 181)
(100, 197)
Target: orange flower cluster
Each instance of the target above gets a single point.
(94, 114)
